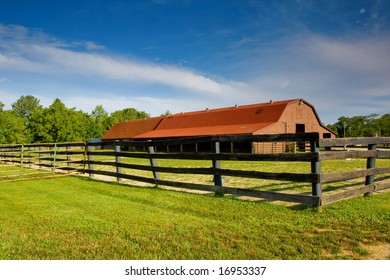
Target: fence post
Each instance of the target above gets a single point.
(53, 154)
(21, 161)
(29, 156)
(370, 164)
(90, 159)
(153, 163)
(39, 156)
(68, 158)
(315, 168)
(21, 155)
(118, 161)
(216, 164)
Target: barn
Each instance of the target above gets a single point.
(273, 117)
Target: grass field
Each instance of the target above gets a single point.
(78, 218)
(329, 166)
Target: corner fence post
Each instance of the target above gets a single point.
(216, 149)
(153, 163)
(370, 164)
(118, 161)
(315, 168)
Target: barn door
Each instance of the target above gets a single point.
(300, 128)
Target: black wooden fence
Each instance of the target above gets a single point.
(125, 160)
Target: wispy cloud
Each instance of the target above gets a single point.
(4, 80)
(332, 73)
(369, 54)
(24, 50)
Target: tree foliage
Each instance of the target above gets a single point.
(57, 124)
(127, 114)
(25, 105)
(12, 128)
(29, 122)
(362, 126)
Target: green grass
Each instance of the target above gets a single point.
(329, 166)
(78, 218)
(15, 172)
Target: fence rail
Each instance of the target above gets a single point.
(139, 161)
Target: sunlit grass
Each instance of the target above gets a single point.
(77, 218)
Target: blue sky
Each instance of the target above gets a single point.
(158, 55)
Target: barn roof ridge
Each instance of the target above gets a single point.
(245, 106)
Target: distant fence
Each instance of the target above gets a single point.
(139, 161)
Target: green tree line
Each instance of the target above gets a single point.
(29, 122)
(362, 126)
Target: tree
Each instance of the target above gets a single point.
(127, 114)
(99, 122)
(363, 126)
(58, 124)
(383, 124)
(12, 128)
(166, 114)
(343, 126)
(25, 105)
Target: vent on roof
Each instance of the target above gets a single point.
(258, 111)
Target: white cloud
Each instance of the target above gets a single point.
(284, 83)
(93, 46)
(22, 51)
(340, 76)
(155, 106)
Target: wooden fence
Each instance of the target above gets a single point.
(138, 161)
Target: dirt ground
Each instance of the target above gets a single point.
(378, 252)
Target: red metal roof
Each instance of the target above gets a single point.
(233, 120)
(131, 128)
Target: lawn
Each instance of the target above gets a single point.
(79, 218)
(327, 166)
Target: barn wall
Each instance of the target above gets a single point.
(295, 113)
(301, 113)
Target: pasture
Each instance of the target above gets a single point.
(310, 176)
(72, 217)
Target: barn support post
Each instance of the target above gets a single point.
(370, 164)
(118, 161)
(90, 159)
(316, 168)
(153, 163)
(216, 149)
